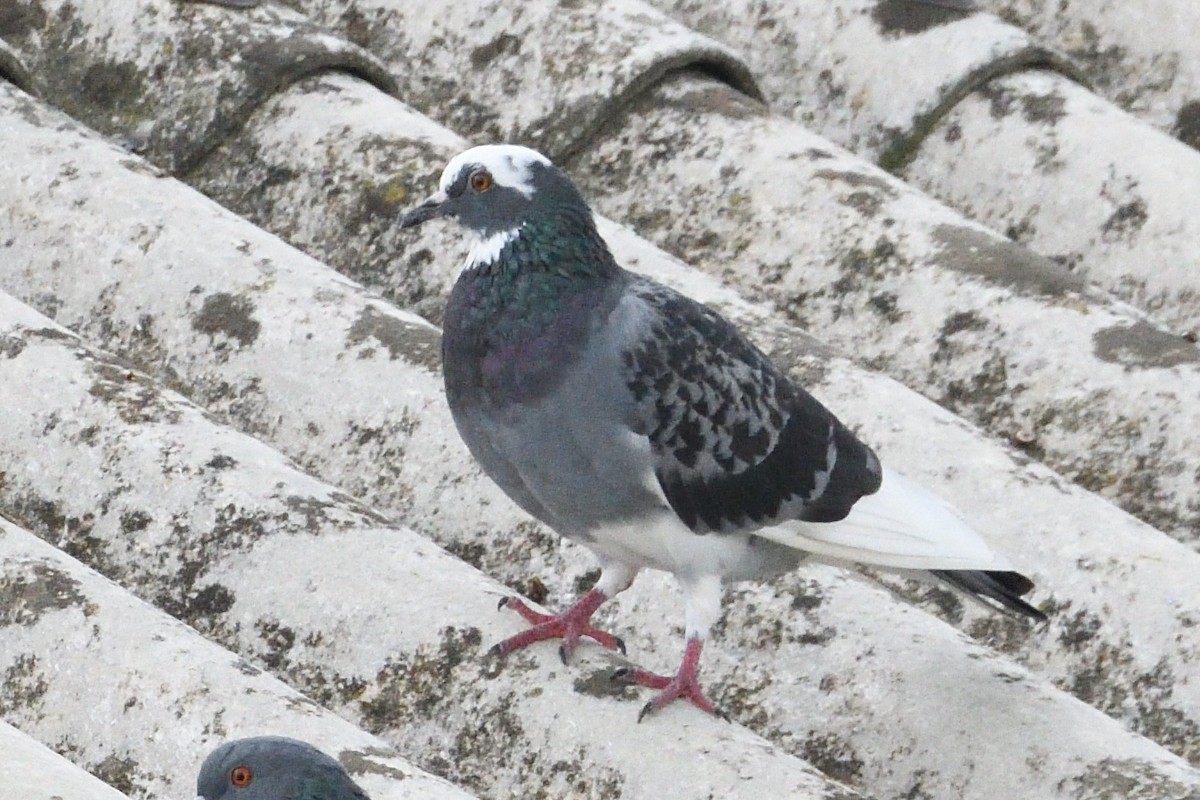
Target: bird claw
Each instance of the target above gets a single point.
(671, 689)
(568, 626)
(690, 693)
(685, 685)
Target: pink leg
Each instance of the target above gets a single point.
(568, 626)
(685, 685)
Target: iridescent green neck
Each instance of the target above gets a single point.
(564, 242)
(512, 324)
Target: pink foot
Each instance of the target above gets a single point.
(685, 685)
(568, 626)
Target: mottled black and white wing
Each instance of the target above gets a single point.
(736, 445)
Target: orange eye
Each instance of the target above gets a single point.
(240, 776)
(481, 181)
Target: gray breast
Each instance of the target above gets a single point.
(567, 456)
(574, 449)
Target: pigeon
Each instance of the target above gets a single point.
(271, 767)
(643, 425)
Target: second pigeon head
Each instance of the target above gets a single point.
(272, 767)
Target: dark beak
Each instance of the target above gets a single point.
(428, 210)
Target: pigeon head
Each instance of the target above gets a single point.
(271, 767)
(495, 189)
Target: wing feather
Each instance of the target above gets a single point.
(736, 445)
(903, 526)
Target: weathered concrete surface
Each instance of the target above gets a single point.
(872, 75)
(544, 72)
(29, 769)
(248, 333)
(950, 308)
(1052, 166)
(184, 75)
(1142, 55)
(371, 620)
(1082, 182)
(171, 79)
(1008, 339)
(138, 698)
(858, 240)
(223, 533)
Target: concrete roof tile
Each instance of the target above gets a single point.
(1073, 177)
(888, 79)
(250, 335)
(176, 77)
(137, 697)
(373, 620)
(1141, 56)
(224, 533)
(30, 769)
(289, 352)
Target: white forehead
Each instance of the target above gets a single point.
(509, 165)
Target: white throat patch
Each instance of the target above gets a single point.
(485, 251)
(509, 165)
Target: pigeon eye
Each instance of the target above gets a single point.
(481, 181)
(240, 776)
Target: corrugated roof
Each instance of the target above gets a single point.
(297, 120)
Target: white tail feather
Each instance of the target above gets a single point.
(903, 526)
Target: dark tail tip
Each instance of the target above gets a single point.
(1004, 588)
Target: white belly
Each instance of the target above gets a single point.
(663, 542)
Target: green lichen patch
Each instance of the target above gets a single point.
(1129, 779)
(1187, 124)
(386, 199)
(229, 316)
(363, 762)
(24, 684)
(1143, 345)
(29, 589)
(834, 757)
(897, 18)
(417, 685)
(123, 774)
(977, 253)
(413, 342)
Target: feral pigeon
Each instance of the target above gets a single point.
(272, 767)
(643, 425)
